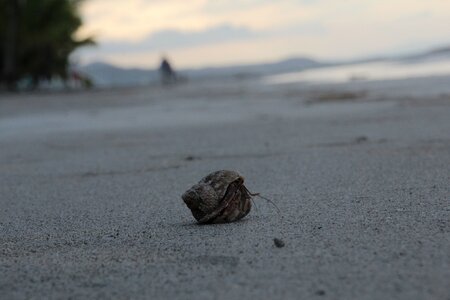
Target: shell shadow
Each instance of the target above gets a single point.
(199, 225)
(216, 260)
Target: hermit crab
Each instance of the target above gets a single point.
(220, 197)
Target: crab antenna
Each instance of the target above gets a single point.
(267, 199)
(270, 201)
(254, 204)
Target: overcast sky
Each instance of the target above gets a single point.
(196, 33)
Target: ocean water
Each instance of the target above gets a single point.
(373, 71)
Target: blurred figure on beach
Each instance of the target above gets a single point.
(168, 75)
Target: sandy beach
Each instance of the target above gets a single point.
(90, 186)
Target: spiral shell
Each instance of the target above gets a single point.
(220, 197)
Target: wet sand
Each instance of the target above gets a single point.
(90, 186)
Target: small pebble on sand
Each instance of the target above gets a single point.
(361, 139)
(320, 292)
(279, 243)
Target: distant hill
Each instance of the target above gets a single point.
(104, 74)
(288, 65)
(438, 53)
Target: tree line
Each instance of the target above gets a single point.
(37, 39)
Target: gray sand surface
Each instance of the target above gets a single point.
(90, 186)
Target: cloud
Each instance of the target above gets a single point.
(132, 20)
(174, 39)
(135, 32)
